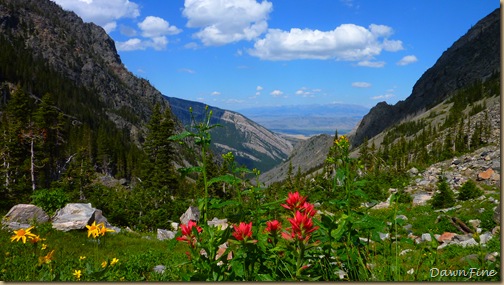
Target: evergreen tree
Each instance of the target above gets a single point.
(444, 198)
(469, 190)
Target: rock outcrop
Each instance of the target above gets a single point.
(475, 56)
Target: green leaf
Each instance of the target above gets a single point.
(188, 170)
(228, 178)
(181, 136)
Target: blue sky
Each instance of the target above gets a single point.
(236, 54)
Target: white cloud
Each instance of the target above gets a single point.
(361, 84)
(157, 43)
(226, 21)
(131, 44)
(386, 96)
(216, 93)
(276, 93)
(259, 88)
(368, 63)
(101, 12)
(154, 27)
(306, 92)
(407, 60)
(347, 42)
(392, 46)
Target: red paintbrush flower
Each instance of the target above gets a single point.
(308, 209)
(302, 227)
(187, 234)
(294, 201)
(273, 226)
(243, 231)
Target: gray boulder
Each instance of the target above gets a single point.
(73, 216)
(165, 234)
(192, 214)
(24, 216)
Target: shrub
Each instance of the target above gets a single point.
(444, 198)
(469, 190)
(50, 200)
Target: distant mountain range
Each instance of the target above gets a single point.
(308, 120)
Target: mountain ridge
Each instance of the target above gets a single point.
(460, 65)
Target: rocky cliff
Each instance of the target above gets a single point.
(475, 56)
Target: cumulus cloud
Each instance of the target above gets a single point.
(276, 93)
(361, 84)
(157, 43)
(227, 21)
(259, 88)
(216, 93)
(154, 27)
(346, 42)
(407, 60)
(101, 12)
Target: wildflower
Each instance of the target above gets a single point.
(302, 227)
(36, 239)
(243, 231)
(187, 233)
(93, 229)
(104, 264)
(114, 261)
(273, 226)
(294, 201)
(102, 229)
(82, 257)
(22, 234)
(44, 246)
(77, 274)
(46, 259)
(308, 209)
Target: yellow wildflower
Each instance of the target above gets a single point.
(104, 264)
(36, 239)
(93, 229)
(44, 246)
(77, 274)
(82, 257)
(102, 229)
(46, 259)
(22, 234)
(114, 261)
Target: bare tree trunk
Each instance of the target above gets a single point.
(32, 162)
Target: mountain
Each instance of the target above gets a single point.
(307, 155)
(308, 120)
(474, 57)
(80, 52)
(252, 144)
(454, 108)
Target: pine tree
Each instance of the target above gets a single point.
(444, 198)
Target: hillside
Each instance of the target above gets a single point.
(252, 145)
(451, 102)
(475, 56)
